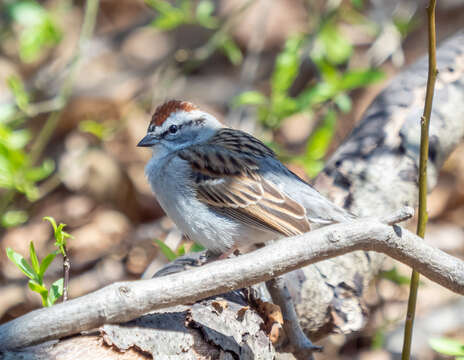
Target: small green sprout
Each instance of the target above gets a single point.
(35, 270)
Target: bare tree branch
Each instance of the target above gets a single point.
(124, 301)
(372, 173)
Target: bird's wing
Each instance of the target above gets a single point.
(226, 177)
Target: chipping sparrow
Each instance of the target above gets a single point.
(224, 188)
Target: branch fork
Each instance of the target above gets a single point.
(112, 305)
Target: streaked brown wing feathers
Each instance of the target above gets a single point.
(226, 177)
(256, 203)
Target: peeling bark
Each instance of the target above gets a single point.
(373, 173)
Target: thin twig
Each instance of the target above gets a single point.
(66, 267)
(424, 150)
(90, 16)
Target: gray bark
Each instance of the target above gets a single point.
(125, 301)
(373, 173)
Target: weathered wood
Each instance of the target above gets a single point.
(372, 173)
(125, 301)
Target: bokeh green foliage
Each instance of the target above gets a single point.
(38, 30)
(330, 51)
(18, 173)
(171, 15)
(171, 255)
(34, 31)
(35, 269)
(448, 347)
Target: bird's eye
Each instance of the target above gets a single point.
(173, 129)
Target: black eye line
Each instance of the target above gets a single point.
(200, 121)
(189, 123)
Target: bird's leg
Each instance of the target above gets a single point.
(232, 251)
(301, 346)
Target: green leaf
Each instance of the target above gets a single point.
(329, 72)
(196, 248)
(40, 289)
(169, 16)
(98, 129)
(59, 234)
(332, 45)
(37, 287)
(358, 4)
(7, 112)
(17, 139)
(447, 346)
(204, 13)
(231, 50)
(181, 250)
(317, 94)
(34, 259)
(56, 291)
(34, 39)
(37, 31)
(41, 172)
(249, 98)
(358, 78)
(52, 221)
(394, 276)
(343, 101)
(13, 218)
(16, 86)
(318, 145)
(60, 237)
(281, 106)
(405, 24)
(204, 9)
(168, 22)
(378, 339)
(47, 260)
(161, 6)
(26, 13)
(311, 166)
(166, 250)
(321, 138)
(287, 65)
(21, 263)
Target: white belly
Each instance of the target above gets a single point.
(170, 180)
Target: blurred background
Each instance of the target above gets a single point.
(80, 79)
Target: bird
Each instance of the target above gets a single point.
(225, 189)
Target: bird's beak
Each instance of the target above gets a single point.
(147, 141)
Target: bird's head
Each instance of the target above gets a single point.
(178, 124)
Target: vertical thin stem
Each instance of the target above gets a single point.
(90, 17)
(66, 267)
(424, 150)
